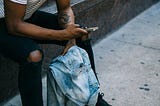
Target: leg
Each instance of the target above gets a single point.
(30, 84)
(46, 20)
(41, 18)
(29, 55)
(86, 45)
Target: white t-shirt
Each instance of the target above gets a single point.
(32, 6)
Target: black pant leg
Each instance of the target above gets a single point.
(29, 78)
(86, 45)
(30, 84)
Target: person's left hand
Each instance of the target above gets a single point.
(68, 45)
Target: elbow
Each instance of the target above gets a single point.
(65, 9)
(13, 28)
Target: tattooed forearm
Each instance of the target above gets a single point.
(64, 19)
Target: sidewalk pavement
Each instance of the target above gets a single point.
(128, 63)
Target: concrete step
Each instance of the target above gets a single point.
(16, 101)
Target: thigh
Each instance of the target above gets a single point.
(44, 19)
(15, 47)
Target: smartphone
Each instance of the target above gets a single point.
(91, 29)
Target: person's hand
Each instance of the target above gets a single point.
(68, 45)
(89, 30)
(85, 37)
(74, 31)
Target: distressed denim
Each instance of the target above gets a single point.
(73, 80)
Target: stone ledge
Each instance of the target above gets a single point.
(108, 15)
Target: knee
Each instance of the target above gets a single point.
(35, 56)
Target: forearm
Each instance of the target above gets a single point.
(66, 17)
(65, 13)
(36, 32)
(14, 15)
(15, 12)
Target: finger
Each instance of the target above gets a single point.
(68, 45)
(83, 31)
(77, 25)
(64, 52)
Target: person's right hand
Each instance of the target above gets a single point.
(74, 31)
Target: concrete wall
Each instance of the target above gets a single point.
(108, 15)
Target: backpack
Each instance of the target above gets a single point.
(71, 80)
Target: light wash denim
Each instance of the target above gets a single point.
(73, 80)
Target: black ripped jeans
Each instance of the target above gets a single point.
(18, 49)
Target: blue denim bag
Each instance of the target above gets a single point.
(73, 79)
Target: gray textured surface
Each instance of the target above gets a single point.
(128, 62)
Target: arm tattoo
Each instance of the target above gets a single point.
(64, 18)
